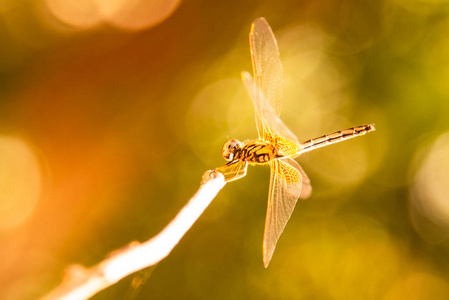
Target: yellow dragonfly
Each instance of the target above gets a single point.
(277, 145)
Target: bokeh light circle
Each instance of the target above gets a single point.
(207, 124)
(20, 182)
(431, 182)
(130, 15)
(137, 14)
(80, 13)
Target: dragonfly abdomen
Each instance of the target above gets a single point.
(258, 152)
(336, 137)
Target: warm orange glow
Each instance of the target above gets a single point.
(20, 182)
(120, 121)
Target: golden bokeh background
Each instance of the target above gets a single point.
(111, 111)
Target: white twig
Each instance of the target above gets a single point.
(81, 282)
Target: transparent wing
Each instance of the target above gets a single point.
(266, 90)
(266, 63)
(233, 170)
(269, 125)
(285, 189)
(267, 71)
(306, 188)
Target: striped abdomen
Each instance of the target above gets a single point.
(336, 137)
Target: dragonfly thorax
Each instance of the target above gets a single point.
(254, 151)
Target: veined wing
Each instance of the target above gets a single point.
(266, 91)
(266, 63)
(269, 125)
(267, 71)
(285, 189)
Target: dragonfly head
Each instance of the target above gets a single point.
(230, 148)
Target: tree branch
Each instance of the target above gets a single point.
(81, 283)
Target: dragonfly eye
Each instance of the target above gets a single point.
(230, 148)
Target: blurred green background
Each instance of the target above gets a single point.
(111, 111)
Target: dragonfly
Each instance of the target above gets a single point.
(276, 146)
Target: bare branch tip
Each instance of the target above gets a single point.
(210, 175)
(76, 273)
